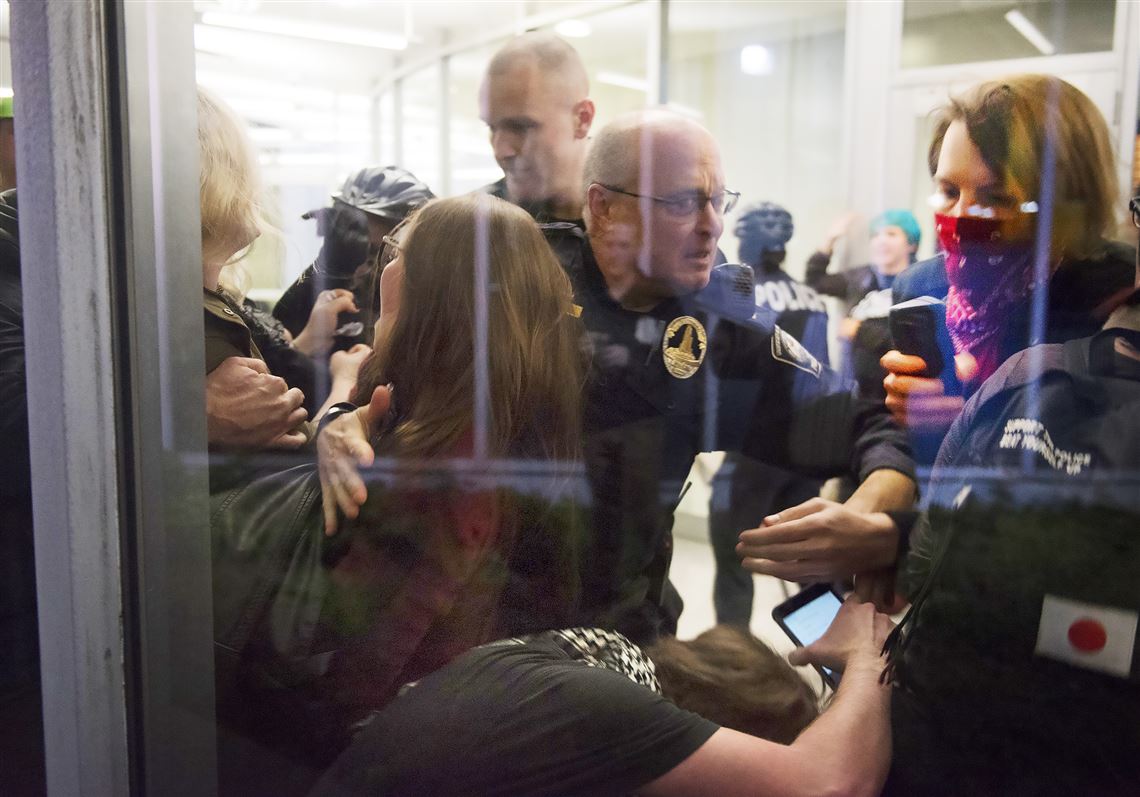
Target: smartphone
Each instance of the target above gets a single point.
(806, 615)
(918, 327)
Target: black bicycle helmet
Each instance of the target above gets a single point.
(385, 191)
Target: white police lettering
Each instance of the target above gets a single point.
(808, 298)
(781, 296)
(1031, 435)
(776, 300)
(788, 350)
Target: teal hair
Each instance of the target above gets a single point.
(903, 219)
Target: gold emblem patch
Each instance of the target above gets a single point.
(683, 346)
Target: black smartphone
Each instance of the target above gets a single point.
(918, 327)
(806, 615)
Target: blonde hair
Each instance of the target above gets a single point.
(230, 191)
(534, 357)
(1010, 121)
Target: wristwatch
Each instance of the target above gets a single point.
(334, 412)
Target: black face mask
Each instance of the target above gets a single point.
(770, 261)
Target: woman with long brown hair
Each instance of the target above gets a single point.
(469, 533)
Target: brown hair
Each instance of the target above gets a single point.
(729, 676)
(1010, 120)
(534, 359)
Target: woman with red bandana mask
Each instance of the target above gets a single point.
(1026, 197)
(1026, 188)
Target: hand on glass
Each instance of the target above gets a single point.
(919, 402)
(343, 448)
(819, 540)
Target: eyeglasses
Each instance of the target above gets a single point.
(392, 247)
(687, 203)
(1134, 206)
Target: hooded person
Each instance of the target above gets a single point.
(369, 205)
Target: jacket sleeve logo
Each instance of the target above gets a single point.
(788, 350)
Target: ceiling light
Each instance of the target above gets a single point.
(756, 59)
(299, 29)
(623, 81)
(1027, 29)
(573, 28)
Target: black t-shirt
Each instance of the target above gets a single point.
(514, 719)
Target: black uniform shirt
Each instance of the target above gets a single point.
(669, 383)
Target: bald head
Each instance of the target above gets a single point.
(654, 199)
(555, 61)
(637, 143)
(534, 101)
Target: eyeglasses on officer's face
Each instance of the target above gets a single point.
(1134, 206)
(684, 204)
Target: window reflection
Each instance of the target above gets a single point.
(514, 424)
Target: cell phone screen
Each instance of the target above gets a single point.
(809, 621)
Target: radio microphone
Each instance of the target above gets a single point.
(730, 294)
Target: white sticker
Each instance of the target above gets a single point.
(1088, 635)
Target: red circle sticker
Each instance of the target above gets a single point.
(1088, 635)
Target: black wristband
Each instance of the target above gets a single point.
(334, 412)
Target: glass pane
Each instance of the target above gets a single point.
(22, 744)
(472, 161)
(553, 406)
(766, 79)
(614, 49)
(421, 124)
(937, 32)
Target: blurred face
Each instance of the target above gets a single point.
(675, 251)
(534, 132)
(890, 250)
(966, 186)
(391, 284)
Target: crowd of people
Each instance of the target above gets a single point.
(458, 581)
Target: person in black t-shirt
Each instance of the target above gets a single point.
(579, 712)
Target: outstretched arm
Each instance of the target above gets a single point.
(846, 751)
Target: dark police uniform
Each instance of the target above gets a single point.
(744, 490)
(674, 381)
(1017, 668)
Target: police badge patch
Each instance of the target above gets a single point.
(788, 350)
(683, 346)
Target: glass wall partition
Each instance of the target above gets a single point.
(767, 80)
(213, 625)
